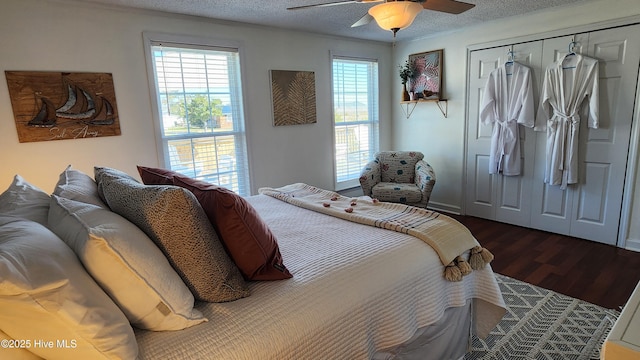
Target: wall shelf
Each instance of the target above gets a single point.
(408, 106)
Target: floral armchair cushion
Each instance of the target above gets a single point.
(398, 193)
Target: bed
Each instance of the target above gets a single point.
(356, 292)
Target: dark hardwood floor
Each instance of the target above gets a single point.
(600, 274)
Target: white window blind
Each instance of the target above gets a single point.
(355, 108)
(201, 113)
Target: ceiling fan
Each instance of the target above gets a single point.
(396, 15)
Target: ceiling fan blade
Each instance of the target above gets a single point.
(447, 6)
(340, 2)
(323, 4)
(363, 20)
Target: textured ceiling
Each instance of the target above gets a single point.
(337, 20)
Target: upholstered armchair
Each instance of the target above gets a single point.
(399, 176)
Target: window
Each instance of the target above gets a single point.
(355, 111)
(200, 112)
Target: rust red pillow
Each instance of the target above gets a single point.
(247, 238)
(154, 176)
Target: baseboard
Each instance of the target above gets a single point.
(444, 208)
(633, 245)
(436, 206)
(351, 192)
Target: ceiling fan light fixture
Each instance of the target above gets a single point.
(395, 15)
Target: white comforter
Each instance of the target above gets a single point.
(355, 289)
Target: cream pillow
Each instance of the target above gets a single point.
(46, 295)
(24, 200)
(16, 350)
(127, 264)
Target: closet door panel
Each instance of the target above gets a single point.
(510, 198)
(514, 192)
(603, 151)
(551, 206)
(554, 204)
(480, 195)
(483, 188)
(592, 195)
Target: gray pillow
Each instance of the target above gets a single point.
(25, 200)
(172, 217)
(76, 185)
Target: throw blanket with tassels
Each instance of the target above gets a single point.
(446, 236)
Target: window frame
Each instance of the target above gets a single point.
(373, 148)
(151, 39)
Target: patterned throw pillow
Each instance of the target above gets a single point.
(101, 174)
(175, 221)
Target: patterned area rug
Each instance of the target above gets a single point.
(542, 324)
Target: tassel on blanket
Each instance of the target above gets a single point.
(463, 265)
(452, 272)
(457, 269)
(480, 257)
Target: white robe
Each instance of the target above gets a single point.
(569, 84)
(506, 102)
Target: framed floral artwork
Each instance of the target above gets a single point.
(427, 83)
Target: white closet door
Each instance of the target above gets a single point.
(480, 195)
(498, 197)
(591, 209)
(552, 207)
(513, 193)
(597, 202)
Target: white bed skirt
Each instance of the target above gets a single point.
(448, 338)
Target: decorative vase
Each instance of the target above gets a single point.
(405, 93)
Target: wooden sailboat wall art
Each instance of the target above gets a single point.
(62, 105)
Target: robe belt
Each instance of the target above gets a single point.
(564, 121)
(505, 136)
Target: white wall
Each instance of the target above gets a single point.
(39, 35)
(61, 35)
(442, 140)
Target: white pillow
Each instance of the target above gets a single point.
(127, 264)
(76, 185)
(24, 200)
(16, 349)
(46, 295)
